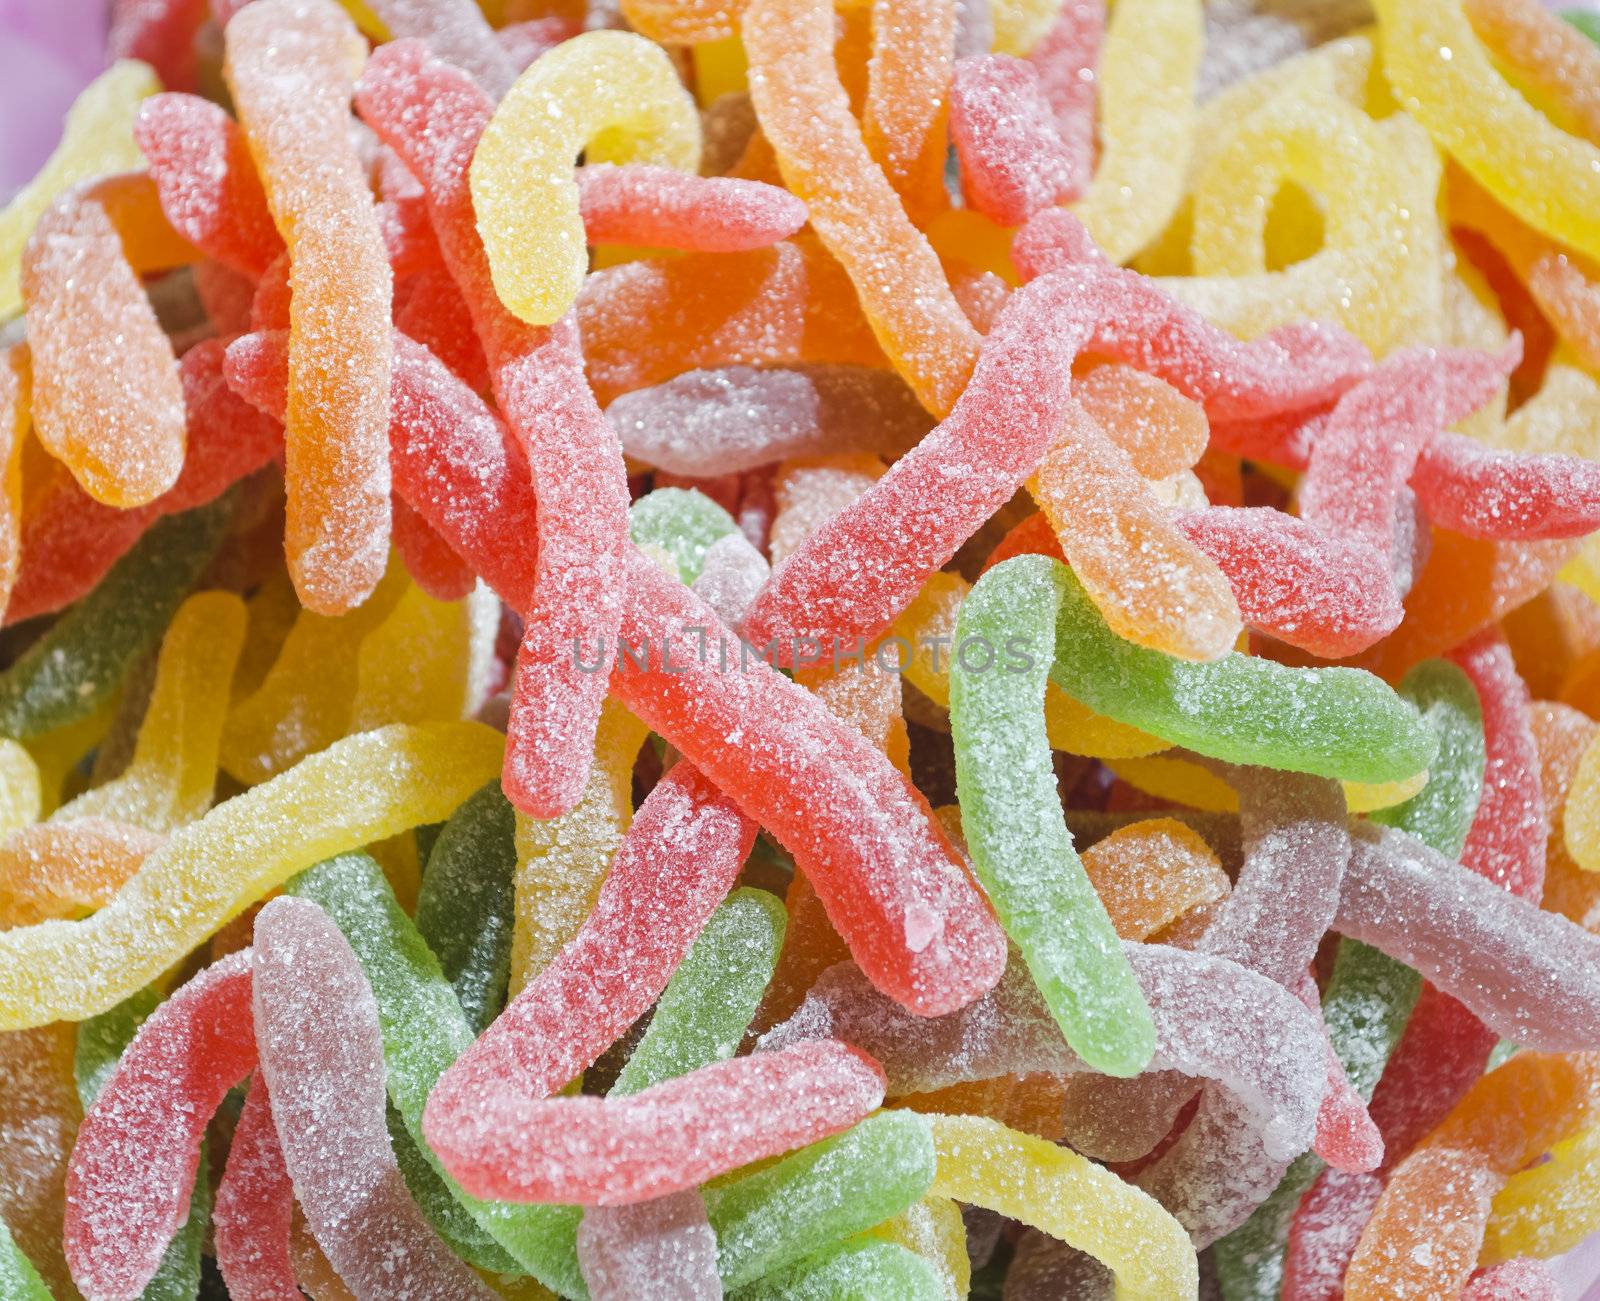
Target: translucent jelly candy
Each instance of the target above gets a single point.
(359, 790)
(1475, 490)
(255, 1208)
(61, 869)
(908, 98)
(81, 661)
(739, 417)
(618, 97)
(15, 417)
(660, 1249)
(149, 1117)
(1035, 880)
(1013, 162)
(322, 1057)
(96, 140)
(291, 65)
(208, 185)
(663, 208)
(106, 395)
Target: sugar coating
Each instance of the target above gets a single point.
(1483, 493)
(255, 1207)
(1012, 161)
(907, 99)
(661, 1250)
(1065, 60)
(322, 1057)
(861, 1268)
(639, 204)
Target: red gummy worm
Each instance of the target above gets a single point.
(1013, 161)
(678, 861)
(888, 877)
(1484, 493)
(431, 115)
(1065, 60)
(207, 181)
(133, 1166)
(663, 208)
(69, 540)
(676, 1135)
(853, 576)
(449, 454)
(254, 1214)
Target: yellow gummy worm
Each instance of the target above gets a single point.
(21, 797)
(1188, 783)
(929, 625)
(359, 790)
(1146, 76)
(561, 861)
(428, 661)
(16, 414)
(57, 754)
(1583, 811)
(983, 1163)
(1378, 271)
(174, 769)
(1444, 77)
(934, 1229)
(1019, 24)
(97, 139)
(612, 96)
(1549, 1208)
(305, 701)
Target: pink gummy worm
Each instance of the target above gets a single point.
(254, 1213)
(1065, 60)
(663, 208)
(322, 1057)
(1522, 1279)
(677, 862)
(133, 1166)
(662, 1249)
(887, 875)
(1347, 1138)
(1013, 160)
(207, 182)
(614, 1151)
(1374, 435)
(69, 540)
(432, 115)
(1323, 1236)
(853, 576)
(1472, 489)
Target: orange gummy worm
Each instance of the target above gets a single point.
(292, 65)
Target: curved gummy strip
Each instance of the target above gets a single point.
(1019, 842)
(132, 1171)
(456, 31)
(983, 1163)
(708, 422)
(465, 908)
(860, 832)
(1003, 426)
(1013, 161)
(1065, 59)
(863, 1267)
(905, 108)
(1549, 178)
(683, 522)
(672, 1136)
(662, 208)
(1550, 1207)
(1214, 1020)
(70, 541)
(207, 181)
(1328, 722)
(1153, 872)
(1531, 976)
(255, 1208)
(102, 1040)
(805, 114)
(359, 790)
(322, 1058)
(62, 869)
(779, 1213)
(677, 862)
(291, 65)
(450, 456)
(1369, 996)
(76, 666)
(1325, 593)
(173, 773)
(96, 140)
(424, 1031)
(712, 996)
(436, 119)
(613, 95)
(16, 416)
(107, 400)
(1483, 493)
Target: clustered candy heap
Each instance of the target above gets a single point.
(1037, 565)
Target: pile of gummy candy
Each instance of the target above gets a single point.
(926, 649)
